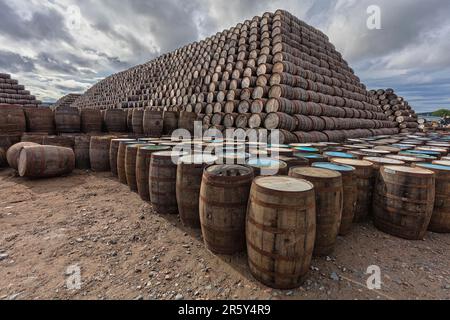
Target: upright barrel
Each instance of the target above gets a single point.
(46, 161)
(130, 164)
(67, 120)
(99, 153)
(364, 194)
(115, 120)
(170, 122)
(440, 220)
(153, 123)
(189, 180)
(403, 201)
(350, 187)
(113, 151)
(121, 154)
(81, 149)
(91, 121)
(224, 197)
(163, 181)
(281, 230)
(41, 120)
(137, 121)
(329, 204)
(143, 160)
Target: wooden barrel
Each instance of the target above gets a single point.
(187, 121)
(59, 141)
(115, 120)
(81, 149)
(67, 120)
(131, 163)
(129, 114)
(113, 152)
(442, 162)
(153, 123)
(224, 197)
(163, 181)
(40, 120)
(12, 119)
(13, 153)
(403, 201)
(350, 186)
(8, 140)
(99, 153)
(281, 230)
(329, 205)
(268, 167)
(440, 220)
(143, 159)
(121, 153)
(46, 161)
(170, 122)
(364, 176)
(33, 137)
(137, 121)
(3, 161)
(91, 121)
(189, 180)
(293, 162)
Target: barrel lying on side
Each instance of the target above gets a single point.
(189, 180)
(14, 151)
(329, 205)
(403, 201)
(46, 161)
(223, 205)
(281, 230)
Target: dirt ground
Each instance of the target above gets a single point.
(125, 251)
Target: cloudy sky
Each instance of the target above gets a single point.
(55, 47)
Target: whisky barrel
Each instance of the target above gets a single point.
(442, 162)
(224, 197)
(137, 121)
(40, 120)
(121, 168)
(268, 167)
(59, 141)
(45, 161)
(91, 121)
(406, 159)
(189, 180)
(153, 123)
(34, 137)
(170, 122)
(67, 120)
(293, 162)
(12, 119)
(329, 205)
(364, 181)
(131, 164)
(163, 181)
(81, 149)
(440, 220)
(3, 161)
(350, 185)
(403, 201)
(116, 120)
(187, 121)
(113, 152)
(143, 159)
(99, 153)
(129, 119)
(13, 153)
(281, 230)
(342, 155)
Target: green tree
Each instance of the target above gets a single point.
(442, 113)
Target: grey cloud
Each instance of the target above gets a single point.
(13, 62)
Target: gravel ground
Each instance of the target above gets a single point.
(91, 223)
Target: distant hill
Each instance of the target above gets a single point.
(441, 113)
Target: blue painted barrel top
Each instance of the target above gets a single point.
(422, 156)
(279, 146)
(306, 149)
(264, 163)
(430, 153)
(340, 155)
(433, 166)
(308, 155)
(332, 166)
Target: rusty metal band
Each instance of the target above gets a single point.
(265, 228)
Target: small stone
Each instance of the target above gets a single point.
(447, 287)
(139, 298)
(334, 276)
(80, 240)
(208, 288)
(179, 297)
(168, 278)
(328, 259)
(289, 294)
(4, 256)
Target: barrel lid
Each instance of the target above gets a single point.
(137, 145)
(226, 170)
(417, 155)
(300, 145)
(339, 155)
(315, 172)
(384, 160)
(307, 149)
(198, 159)
(170, 154)
(405, 158)
(352, 162)
(278, 146)
(372, 151)
(148, 139)
(124, 140)
(439, 144)
(128, 142)
(388, 148)
(333, 166)
(170, 144)
(284, 184)
(442, 162)
(430, 153)
(155, 148)
(279, 150)
(433, 166)
(427, 148)
(403, 169)
(309, 155)
(266, 163)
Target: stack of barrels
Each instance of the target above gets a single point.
(13, 93)
(272, 72)
(397, 109)
(66, 101)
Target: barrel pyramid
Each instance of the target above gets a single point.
(271, 72)
(13, 93)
